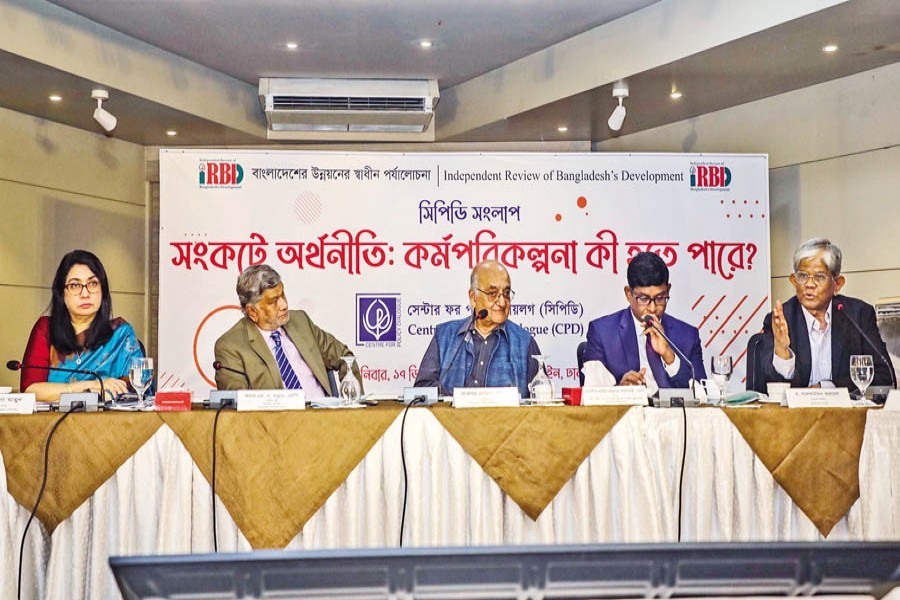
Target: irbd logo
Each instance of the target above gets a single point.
(710, 176)
(377, 319)
(221, 174)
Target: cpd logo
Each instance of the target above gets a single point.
(221, 174)
(710, 176)
(378, 320)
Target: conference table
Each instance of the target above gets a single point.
(139, 483)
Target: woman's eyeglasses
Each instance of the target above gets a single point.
(75, 288)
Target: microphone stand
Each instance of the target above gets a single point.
(650, 321)
(15, 365)
(890, 367)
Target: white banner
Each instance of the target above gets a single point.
(377, 248)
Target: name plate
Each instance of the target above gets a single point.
(893, 401)
(485, 397)
(629, 395)
(818, 398)
(271, 400)
(16, 404)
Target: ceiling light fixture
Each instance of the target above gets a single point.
(617, 118)
(562, 129)
(425, 43)
(55, 98)
(171, 133)
(675, 95)
(292, 45)
(829, 48)
(107, 121)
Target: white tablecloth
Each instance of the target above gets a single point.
(626, 491)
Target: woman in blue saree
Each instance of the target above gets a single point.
(80, 334)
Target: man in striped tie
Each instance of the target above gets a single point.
(276, 347)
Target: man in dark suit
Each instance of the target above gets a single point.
(275, 347)
(808, 340)
(627, 347)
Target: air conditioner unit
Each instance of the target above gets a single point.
(349, 109)
(887, 308)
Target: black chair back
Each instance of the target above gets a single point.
(579, 356)
(755, 379)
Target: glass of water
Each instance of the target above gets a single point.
(721, 366)
(141, 374)
(540, 387)
(862, 371)
(349, 388)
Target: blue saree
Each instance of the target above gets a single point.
(112, 359)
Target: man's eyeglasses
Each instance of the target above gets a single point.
(819, 278)
(643, 300)
(75, 288)
(494, 295)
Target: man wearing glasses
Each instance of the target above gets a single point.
(272, 347)
(808, 340)
(628, 349)
(484, 349)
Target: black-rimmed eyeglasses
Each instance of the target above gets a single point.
(75, 288)
(643, 300)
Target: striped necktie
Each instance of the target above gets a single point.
(290, 379)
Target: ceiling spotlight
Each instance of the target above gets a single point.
(830, 48)
(101, 115)
(620, 91)
(562, 129)
(675, 95)
(55, 98)
(171, 133)
(425, 44)
(292, 45)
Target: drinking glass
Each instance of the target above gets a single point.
(862, 371)
(141, 375)
(721, 366)
(540, 387)
(349, 388)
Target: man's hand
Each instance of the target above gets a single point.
(780, 332)
(658, 342)
(633, 378)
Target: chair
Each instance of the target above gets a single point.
(579, 356)
(756, 381)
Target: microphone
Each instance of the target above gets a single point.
(217, 365)
(14, 365)
(890, 367)
(481, 314)
(649, 321)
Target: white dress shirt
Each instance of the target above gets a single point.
(309, 382)
(820, 350)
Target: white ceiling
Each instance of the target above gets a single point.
(508, 71)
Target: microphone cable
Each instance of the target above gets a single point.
(37, 503)
(681, 476)
(225, 404)
(414, 401)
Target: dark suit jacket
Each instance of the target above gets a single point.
(613, 341)
(845, 341)
(243, 348)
